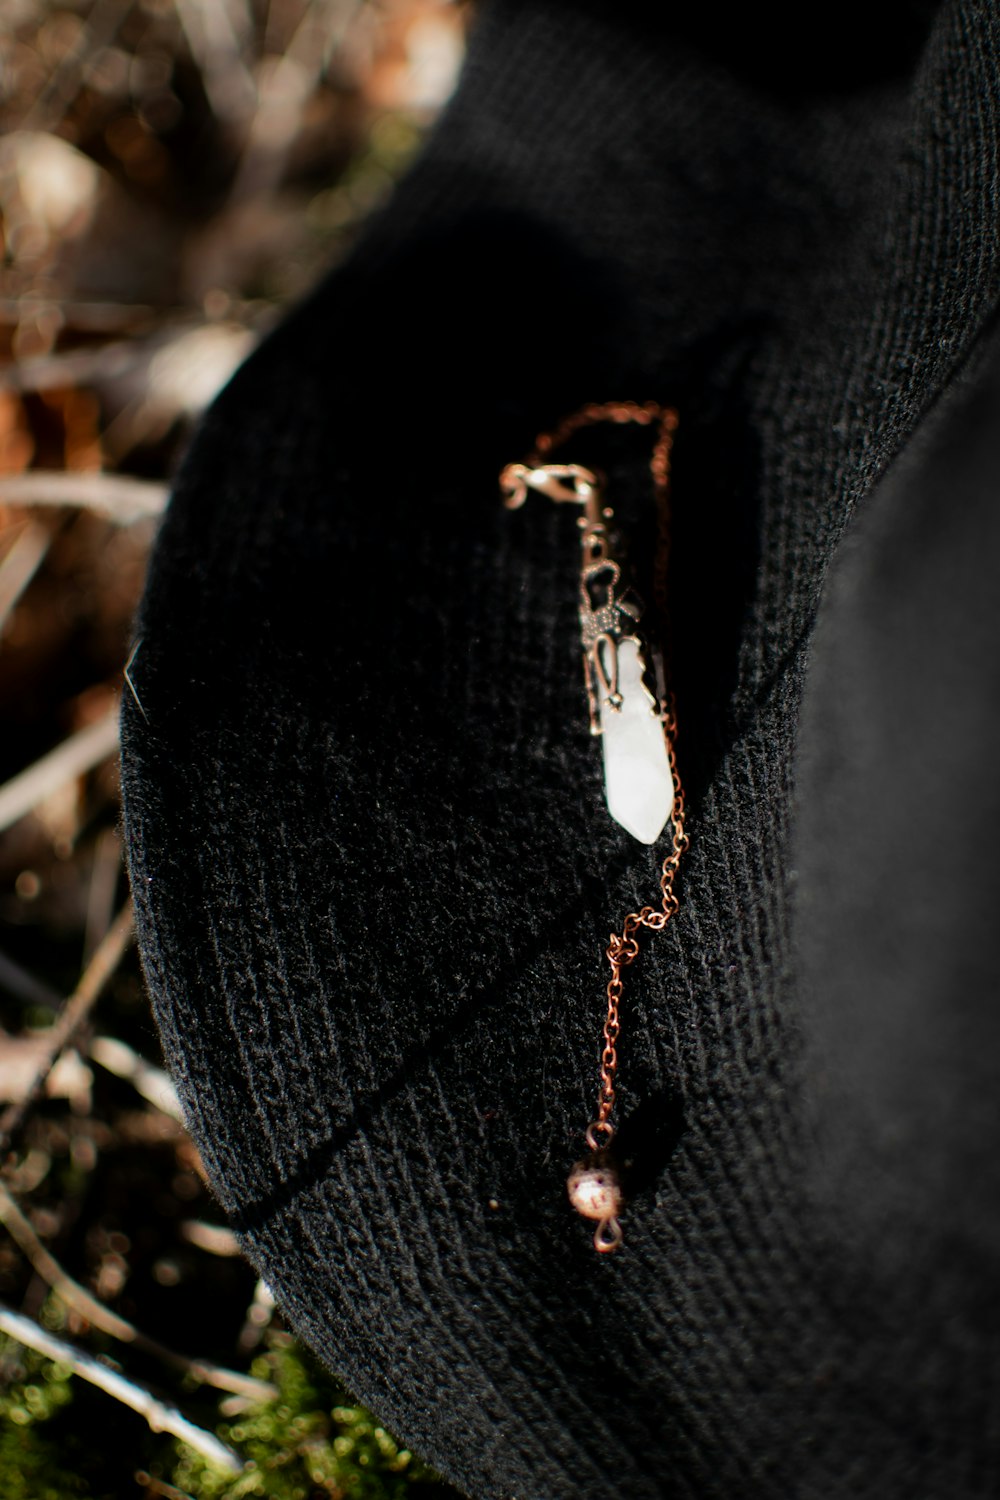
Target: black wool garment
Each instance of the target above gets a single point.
(373, 867)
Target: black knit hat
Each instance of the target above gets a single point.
(373, 870)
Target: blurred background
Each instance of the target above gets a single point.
(172, 173)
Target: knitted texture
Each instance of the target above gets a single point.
(373, 870)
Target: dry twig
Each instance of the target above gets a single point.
(20, 566)
(285, 94)
(100, 30)
(161, 1416)
(152, 1083)
(217, 47)
(74, 757)
(101, 890)
(81, 1301)
(117, 496)
(113, 361)
(25, 986)
(95, 976)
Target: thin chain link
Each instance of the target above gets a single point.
(623, 948)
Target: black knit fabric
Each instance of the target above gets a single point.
(373, 869)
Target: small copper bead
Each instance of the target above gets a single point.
(594, 1187)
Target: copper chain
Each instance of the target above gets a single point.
(623, 949)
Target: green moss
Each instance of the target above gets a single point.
(33, 1390)
(309, 1442)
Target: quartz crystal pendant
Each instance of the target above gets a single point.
(638, 782)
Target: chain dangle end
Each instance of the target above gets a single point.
(595, 1191)
(608, 1236)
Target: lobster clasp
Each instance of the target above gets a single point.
(569, 483)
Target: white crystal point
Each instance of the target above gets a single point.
(637, 779)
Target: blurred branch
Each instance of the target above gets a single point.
(116, 496)
(154, 1486)
(217, 50)
(100, 28)
(83, 367)
(74, 757)
(68, 1078)
(101, 890)
(20, 566)
(80, 1300)
(25, 986)
(96, 975)
(130, 364)
(87, 317)
(152, 1083)
(160, 1416)
(258, 1318)
(214, 1239)
(284, 94)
